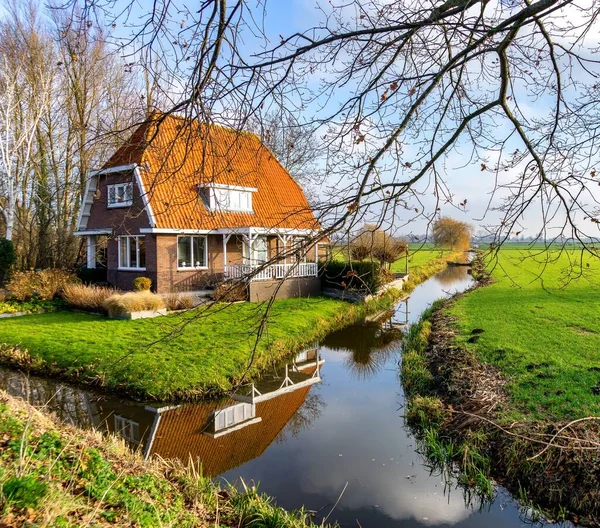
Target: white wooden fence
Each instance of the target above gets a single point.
(271, 271)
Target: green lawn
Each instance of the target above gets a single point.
(541, 329)
(177, 356)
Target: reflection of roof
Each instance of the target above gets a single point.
(179, 433)
(175, 160)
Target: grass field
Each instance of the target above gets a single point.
(176, 356)
(541, 329)
(419, 255)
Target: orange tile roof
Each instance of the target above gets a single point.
(179, 434)
(176, 156)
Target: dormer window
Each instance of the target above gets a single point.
(119, 195)
(227, 198)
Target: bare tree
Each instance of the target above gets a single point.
(21, 109)
(91, 98)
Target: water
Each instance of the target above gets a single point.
(326, 428)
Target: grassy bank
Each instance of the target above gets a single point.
(187, 356)
(52, 475)
(501, 373)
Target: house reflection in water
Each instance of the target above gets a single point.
(225, 435)
(221, 435)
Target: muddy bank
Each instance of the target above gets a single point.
(457, 405)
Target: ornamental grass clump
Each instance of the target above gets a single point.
(90, 298)
(178, 301)
(121, 304)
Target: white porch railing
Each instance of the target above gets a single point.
(272, 271)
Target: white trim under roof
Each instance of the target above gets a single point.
(145, 200)
(228, 231)
(228, 187)
(91, 232)
(111, 170)
(168, 231)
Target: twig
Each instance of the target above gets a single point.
(336, 503)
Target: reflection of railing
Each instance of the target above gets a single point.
(294, 378)
(272, 271)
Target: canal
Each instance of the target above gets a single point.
(325, 431)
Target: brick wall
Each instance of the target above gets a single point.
(124, 220)
(169, 278)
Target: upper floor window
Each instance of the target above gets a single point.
(233, 200)
(132, 252)
(227, 198)
(233, 415)
(120, 195)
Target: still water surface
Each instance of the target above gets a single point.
(327, 426)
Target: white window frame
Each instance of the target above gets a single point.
(127, 190)
(123, 424)
(187, 268)
(220, 200)
(137, 252)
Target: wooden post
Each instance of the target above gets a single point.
(91, 252)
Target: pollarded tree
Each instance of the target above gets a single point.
(452, 234)
(375, 243)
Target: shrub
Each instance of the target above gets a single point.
(121, 304)
(231, 291)
(142, 284)
(352, 275)
(45, 284)
(8, 257)
(89, 298)
(178, 301)
(7, 308)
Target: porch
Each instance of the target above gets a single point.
(270, 271)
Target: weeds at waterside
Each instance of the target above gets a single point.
(427, 415)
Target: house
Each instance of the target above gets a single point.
(189, 204)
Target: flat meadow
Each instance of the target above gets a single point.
(540, 329)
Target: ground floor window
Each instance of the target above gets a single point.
(132, 252)
(192, 251)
